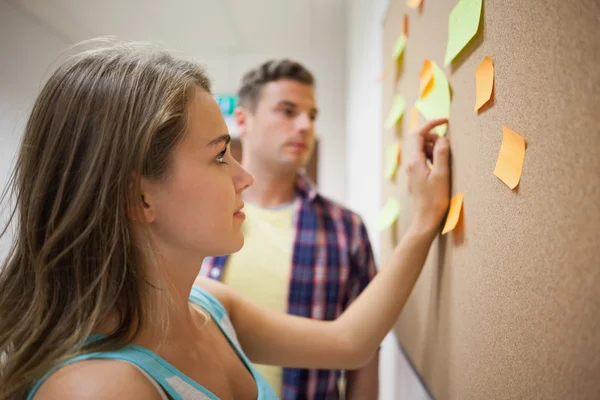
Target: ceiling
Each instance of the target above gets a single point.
(192, 26)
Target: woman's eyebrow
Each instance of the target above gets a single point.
(226, 138)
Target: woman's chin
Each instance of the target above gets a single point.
(236, 244)
(239, 244)
(232, 246)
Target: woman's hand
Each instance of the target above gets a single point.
(428, 173)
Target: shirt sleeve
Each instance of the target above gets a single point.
(362, 263)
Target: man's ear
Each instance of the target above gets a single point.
(241, 120)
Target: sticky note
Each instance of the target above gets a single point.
(414, 118)
(484, 82)
(453, 213)
(396, 111)
(414, 3)
(399, 46)
(388, 214)
(462, 26)
(426, 78)
(394, 152)
(436, 103)
(510, 159)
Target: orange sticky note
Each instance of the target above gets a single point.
(484, 82)
(414, 118)
(405, 25)
(426, 77)
(414, 3)
(510, 159)
(453, 213)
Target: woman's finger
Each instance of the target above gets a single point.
(441, 156)
(424, 133)
(426, 129)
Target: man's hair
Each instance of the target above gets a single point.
(270, 71)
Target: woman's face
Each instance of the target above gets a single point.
(196, 209)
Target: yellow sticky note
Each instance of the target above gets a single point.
(414, 118)
(388, 214)
(510, 159)
(426, 77)
(484, 82)
(414, 3)
(393, 160)
(462, 26)
(399, 46)
(437, 102)
(453, 213)
(396, 112)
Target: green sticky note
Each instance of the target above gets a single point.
(436, 103)
(462, 26)
(396, 111)
(399, 47)
(388, 214)
(393, 156)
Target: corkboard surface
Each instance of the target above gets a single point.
(508, 306)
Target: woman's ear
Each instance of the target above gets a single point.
(140, 205)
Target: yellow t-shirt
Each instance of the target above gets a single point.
(261, 270)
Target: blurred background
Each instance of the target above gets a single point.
(338, 40)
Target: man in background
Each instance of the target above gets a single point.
(303, 254)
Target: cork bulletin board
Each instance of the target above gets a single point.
(508, 304)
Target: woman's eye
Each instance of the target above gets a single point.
(221, 157)
(288, 112)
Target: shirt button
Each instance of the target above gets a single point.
(215, 273)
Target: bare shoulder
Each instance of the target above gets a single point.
(98, 380)
(223, 293)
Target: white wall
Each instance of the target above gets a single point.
(363, 110)
(364, 166)
(27, 51)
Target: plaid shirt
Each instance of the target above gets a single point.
(332, 263)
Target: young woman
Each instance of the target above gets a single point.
(123, 184)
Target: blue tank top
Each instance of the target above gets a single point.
(174, 383)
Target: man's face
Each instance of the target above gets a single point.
(280, 132)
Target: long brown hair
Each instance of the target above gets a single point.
(105, 115)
